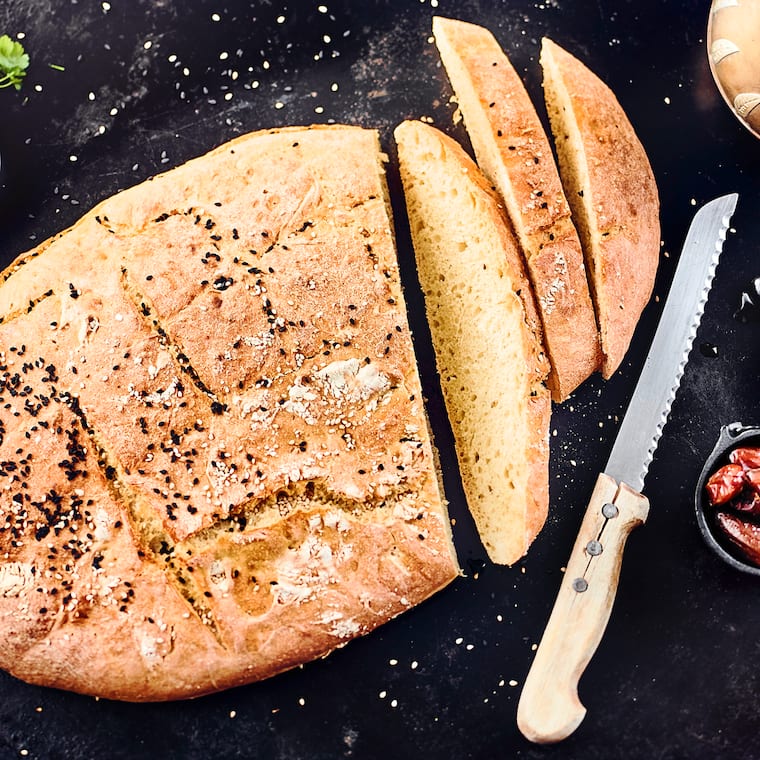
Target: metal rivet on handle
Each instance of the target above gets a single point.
(580, 585)
(609, 510)
(594, 548)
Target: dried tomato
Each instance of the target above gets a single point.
(753, 479)
(745, 535)
(737, 486)
(747, 501)
(746, 456)
(725, 484)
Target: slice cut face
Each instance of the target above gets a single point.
(513, 151)
(486, 336)
(612, 191)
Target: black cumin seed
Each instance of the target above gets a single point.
(222, 283)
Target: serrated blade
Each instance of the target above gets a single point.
(664, 366)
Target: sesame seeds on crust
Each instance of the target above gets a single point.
(213, 413)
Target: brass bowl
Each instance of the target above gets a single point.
(733, 50)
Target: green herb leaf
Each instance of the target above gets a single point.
(13, 62)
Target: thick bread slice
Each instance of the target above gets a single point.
(612, 191)
(214, 458)
(486, 337)
(512, 149)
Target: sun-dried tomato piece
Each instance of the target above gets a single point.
(744, 534)
(746, 456)
(753, 479)
(747, 501)
(725, 484)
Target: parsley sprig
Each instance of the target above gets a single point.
(13, 62)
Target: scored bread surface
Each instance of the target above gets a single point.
(486, 336)
(513, 151)
(612, 191)
(214, 457)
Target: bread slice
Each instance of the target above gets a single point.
(513, 151)
(612, 191)
(486, 336)
(214, 458)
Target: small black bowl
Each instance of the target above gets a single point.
(731, 436)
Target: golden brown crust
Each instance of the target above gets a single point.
(614, 196)
(513, 151)
(486, 334)
(214, 457)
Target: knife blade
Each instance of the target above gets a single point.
(549, 709)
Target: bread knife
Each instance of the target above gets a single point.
(549, 709)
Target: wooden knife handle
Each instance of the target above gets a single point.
(549, 709)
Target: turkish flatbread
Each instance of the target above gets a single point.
(214, 458)
(487, 338)
(613, 194)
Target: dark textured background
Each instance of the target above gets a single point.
(149, 83)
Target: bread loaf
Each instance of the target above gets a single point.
(214, 458)
(486, 335)
(513, 151)
(612, 192)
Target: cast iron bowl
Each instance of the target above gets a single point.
(732, 435)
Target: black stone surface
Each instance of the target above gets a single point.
(148, 84)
